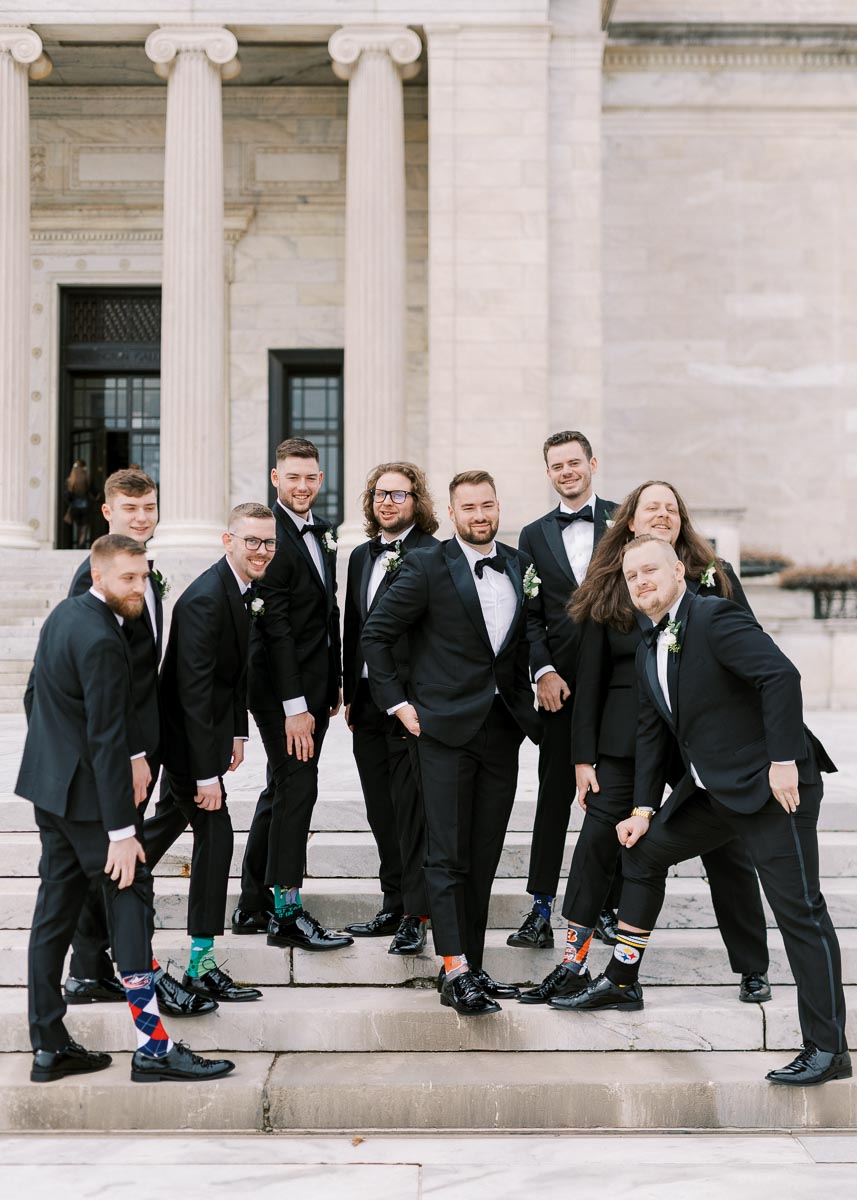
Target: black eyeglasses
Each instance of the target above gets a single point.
(253, 543)
(397, 497)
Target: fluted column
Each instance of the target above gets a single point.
(20, 54)
(194, 481)
(374, 59)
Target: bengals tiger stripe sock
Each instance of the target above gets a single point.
(152, 1038)
(624, 967)
(578, 939)
(454, 965)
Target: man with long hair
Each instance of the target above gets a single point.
(399, 519)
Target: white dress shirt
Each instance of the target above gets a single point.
(379, 570)
(579, 541)
(497, 596)
(295, 705)
(243, 588)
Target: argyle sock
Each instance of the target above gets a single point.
(455, 964)
(577, 943)
(201, 957)
(624, 967)
(287, 902)
(152, 1038)
(542, 903)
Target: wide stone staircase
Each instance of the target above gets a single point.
(356, 1040)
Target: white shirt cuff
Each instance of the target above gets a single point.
(119, 835)
(542, 671)
(241, 737)
(207, 782)
(396, 707)
(786, 763)
(142, 754)
(296, 706)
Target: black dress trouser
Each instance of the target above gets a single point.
(73, 858)
(468, 793)
(784, 848)
(728, 867)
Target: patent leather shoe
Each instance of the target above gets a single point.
(71, 1060)
(812, 1066)
(467, 998)
(93, 991)
(250, 922)
(304, 932)
(174, 1000)
(217, 985)
(560, 982)
(606, 927)
(410, 937)
(601, 993)
(755, 988)
(382, 924)
(535, 933)
(179, 1063)
(497, 991)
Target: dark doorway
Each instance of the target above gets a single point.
(305, 399)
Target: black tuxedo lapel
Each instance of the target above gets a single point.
(240, 615)
(365, 576)
(675, 660)
(553, 537)
(291, 531)
(109, 617)
(462, 577)
(513, 571)
(655, 685)
(601, 513)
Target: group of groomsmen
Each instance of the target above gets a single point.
(442, 643)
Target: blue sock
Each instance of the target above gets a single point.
(542, 904)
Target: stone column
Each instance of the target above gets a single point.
(20, 57)
(194, 483)
(374, 59)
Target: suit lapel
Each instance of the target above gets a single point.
(655, 685)
(462, 577)
(553, 537)
(290, 530)
(513, 571)
(237, 607)
(109, 617)
(601, 513)
(365, 576)
(675, 660)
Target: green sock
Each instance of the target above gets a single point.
(201, 957)
(287, 901)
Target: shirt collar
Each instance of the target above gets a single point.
(100, 596)
(676, 606)
(563, 507)
(474, 556)
(296, 517)
(400, 537)
(241, 584)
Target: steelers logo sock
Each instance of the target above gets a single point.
(624, 967)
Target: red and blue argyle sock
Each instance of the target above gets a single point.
(152, 1039)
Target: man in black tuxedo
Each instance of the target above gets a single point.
(711, 679)
(204, 697)
(560, 544)
(399, 518)
(131, 510)
(463, 604)
(76, 769)
(294, 688)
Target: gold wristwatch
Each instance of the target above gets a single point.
(648, 813)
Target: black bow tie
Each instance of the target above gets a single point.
(650, 636)
(317, 531)
(377, 547)
(248, 598)
(151, 563)
(582, 514)
(495, 562)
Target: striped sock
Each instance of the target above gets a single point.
(624, 967)
(152, 1039)
(577, 943)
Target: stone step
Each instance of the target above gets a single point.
(337, 902)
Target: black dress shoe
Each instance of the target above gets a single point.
(535, 933)
(93, 991)
(304, 932)
(217, 985)
(560, 982)
(250, 922)
(813, 1066)
(465, 995)
(176, 1001)
(606, 927)
(71, 1060)
(382, 925)
(601, 993)
(410, 936)
(497, 991)
(180, 1063)
(755, 988)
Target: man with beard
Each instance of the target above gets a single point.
(399, 518)
(76, 769)
(560, 544)
(469, 703)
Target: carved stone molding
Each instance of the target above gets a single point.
(218, 44)
(728, 58)
(347, 44)
(38, 165)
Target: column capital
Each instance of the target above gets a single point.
(25, 46)
(351, 41)
(220, 46)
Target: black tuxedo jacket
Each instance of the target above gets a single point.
(736, 708)
(606, 703)
(453, 669)
(359, 571)
(553, 635)
(76, 761)
(204, 676)
(145, 646)
(295, 646)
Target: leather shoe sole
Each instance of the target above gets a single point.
(491, 1006)
(81, 1067)
(168, 1075)
(298, 943)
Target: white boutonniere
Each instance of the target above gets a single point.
(160, 582)
(672, 632)
(257, 607)
(394, 558)
(706, 579)
(329, 542)
(532, 583)
(609, 523)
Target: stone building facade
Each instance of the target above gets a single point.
(439, 230)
